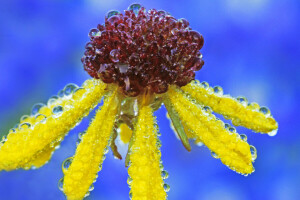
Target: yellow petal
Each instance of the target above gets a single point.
(145, 155)
(90, 151)
(230, 148)
(24, 145)
(42, 158)
(125, 133)
(240, 113)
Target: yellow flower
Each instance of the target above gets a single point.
(135, 77)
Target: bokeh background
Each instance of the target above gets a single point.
(251, 49)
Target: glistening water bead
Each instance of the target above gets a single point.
(143, 50)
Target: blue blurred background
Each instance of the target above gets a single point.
(251, 49)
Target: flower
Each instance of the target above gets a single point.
(139, 60)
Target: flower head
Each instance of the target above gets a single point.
(142, 50)
(139, 60)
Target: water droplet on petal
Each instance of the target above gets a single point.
(51, 101)
(199, 144)
(36, 108)
(130, 195)
(87, 194)
(243, 137)
(254, 106)
(166, 187)
(253, 152)
(23, 118)
(12, 131)
(129, 180)
(135, 8)
(4, 139)
(66, 164)
(91, 188)
(112, 13)
(273, 133)
(80, 135)
(205, 84)
(232, 129)
(207, 109)
(158, 143)
(105, 150)
(61, 184)
(227, 126)
(242, 100)
(24, 125)
(114, 55)
(57, 111)
(218, 90)
(69, 89)
(164, 174)
(61, 93)
(214, 155)
(265, 111)
(40, 118)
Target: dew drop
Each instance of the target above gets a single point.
(135, 8)
(57, 110)
(218, 90)
(199, 144)
(69, 89)
(207, 109)
(87, 194)
(78, 90)
(105, 150)
(129, 180)
(273, 133)
(227, 126)
(243, 137)
(40, 118)
(164, 174)
(232, 129)
(166, 187)
(205, 84)
(161, 166)
(61, 184)
(158, 143)
(130, 195)
(51, 101)
(91, 188)
(66, 164)
(36, 108)
(174, 31)
(242, 100)
(78, 141)
(253, 152)
(254, 106)
(112, 13)
(265, 111)
(4, 139)
(12, 131)
(24, 125)
(61, 93)
(94, 33)
(114, 55)
(80, 135)
(214, 155)
(23, 118)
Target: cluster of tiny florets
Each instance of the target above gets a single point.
(142, 49)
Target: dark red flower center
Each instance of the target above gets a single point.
(142, 50)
